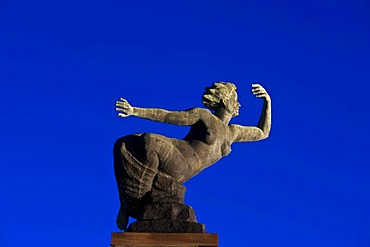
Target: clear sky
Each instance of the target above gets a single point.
(63, 64)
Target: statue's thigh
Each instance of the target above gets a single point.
(172, 162)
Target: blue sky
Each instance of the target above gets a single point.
(63, 64)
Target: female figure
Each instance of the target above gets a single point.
(140, 157)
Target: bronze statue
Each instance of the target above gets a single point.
(151, 168)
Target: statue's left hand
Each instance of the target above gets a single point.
(260, 92)
(124, 108)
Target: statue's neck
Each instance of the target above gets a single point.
(224, 115)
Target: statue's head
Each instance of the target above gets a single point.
(222, 94)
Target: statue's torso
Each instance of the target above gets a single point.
(210, 140)
(207, 141)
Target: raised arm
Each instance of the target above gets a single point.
(187, 117)
(262, 131)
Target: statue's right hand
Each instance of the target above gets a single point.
(124, 108)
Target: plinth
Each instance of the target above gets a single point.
(138, 239)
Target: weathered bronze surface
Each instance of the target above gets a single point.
(150, 169)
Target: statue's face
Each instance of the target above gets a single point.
(232, 104)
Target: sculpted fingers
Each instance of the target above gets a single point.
(260, 92)
(258, 89)
(119, 104)
(122, 115)
(121, 101)
(256, 86)
(123, 107)
(262, 95)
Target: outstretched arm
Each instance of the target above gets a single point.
(188, 117)
(262, 131)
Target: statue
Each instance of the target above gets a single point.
(150, 168)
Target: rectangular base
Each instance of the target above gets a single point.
(136, 239)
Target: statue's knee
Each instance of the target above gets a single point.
(148, 137)
(117, 145)
(150, 142)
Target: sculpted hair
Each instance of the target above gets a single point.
(214, 94)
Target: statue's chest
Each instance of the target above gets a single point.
(225, 147)
(215, 136)
(219, 139)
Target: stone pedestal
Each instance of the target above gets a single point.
(134, 239)
(167, 218)
(166, 226)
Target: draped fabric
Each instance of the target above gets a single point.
(134, 180)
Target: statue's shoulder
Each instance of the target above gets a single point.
(201, 110)
(203, 113)
(234, 130)
(234, 126)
